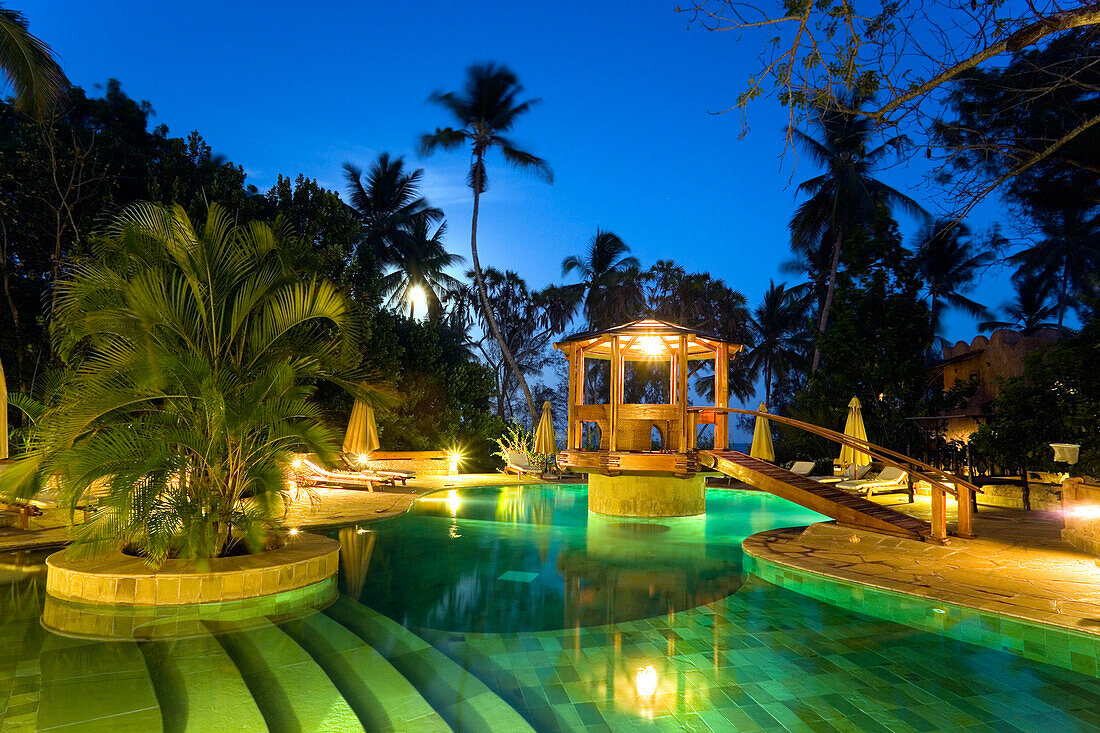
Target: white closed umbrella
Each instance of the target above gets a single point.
(762, 447)
(545, 440)
(853, 427)
(362, 434)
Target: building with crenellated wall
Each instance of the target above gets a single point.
(987, 360)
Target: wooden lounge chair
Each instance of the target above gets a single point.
(802, 468)
(23, 510)
(308, 473)
(389, 476)
(892, 480)
(519, 465)
(854, 472)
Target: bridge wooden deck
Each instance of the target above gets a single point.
(822, 498)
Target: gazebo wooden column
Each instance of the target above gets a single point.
(571, 425)
(616, 391)
(682, 393)
(721, 397)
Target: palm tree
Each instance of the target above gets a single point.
(846, 195)
(487, 109)
(192, 358)
(780, 335)
(948, 267)
(419, 260)
(607, 257)
(1029, 311)
(1068, 255)
(29, 65)
(388, 203)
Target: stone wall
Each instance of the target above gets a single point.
(124, 580)
(1081, 513)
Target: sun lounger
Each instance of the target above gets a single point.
(22, 510)
(802, 468)
(310, 474)
(891, 480)
(390, 476)
(519, 465)
(853, 472)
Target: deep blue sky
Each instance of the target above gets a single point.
(627, 91)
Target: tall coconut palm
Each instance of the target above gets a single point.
(29, 65)
(846, 195)
(486, 109)
(1067, 257)
(192, 357)
(419, 262)
(780, 335)
(948, 266)
(1030, 311)
(607, 257)
(388, 202)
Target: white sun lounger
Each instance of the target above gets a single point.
(854, 472)
(802, 468)
(891, 480)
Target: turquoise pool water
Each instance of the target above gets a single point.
(532, 558)
(512, 609)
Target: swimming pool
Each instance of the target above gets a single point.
(512, 608)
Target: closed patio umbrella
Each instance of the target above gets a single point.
(762, 447)
(545, 440)
(3, 415)
(362, 435)
(853, 427)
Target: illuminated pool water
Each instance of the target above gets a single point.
(511, 608)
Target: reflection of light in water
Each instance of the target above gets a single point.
(645, 681)
(453, 502)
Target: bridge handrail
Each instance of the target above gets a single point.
(886, 455)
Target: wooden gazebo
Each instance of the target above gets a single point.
(625, 429)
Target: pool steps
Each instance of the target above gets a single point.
(531, 701)
(92, 686)
(347, 669)
(383, 698)
(462, 699)
(200, 687)
(292, 691)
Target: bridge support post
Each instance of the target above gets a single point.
(939, 514)
(965, 497)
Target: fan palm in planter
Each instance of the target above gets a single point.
(191, 361)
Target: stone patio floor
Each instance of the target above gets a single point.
(1017, 565)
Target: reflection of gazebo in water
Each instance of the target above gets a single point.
(627, 476)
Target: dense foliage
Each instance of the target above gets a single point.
(191, 357)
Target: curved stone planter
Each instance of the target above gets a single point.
(118, 579)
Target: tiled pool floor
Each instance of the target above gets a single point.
(766, 659)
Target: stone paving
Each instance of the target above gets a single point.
(1017, 566)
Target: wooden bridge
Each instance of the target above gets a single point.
(846, 508)
(827, 499)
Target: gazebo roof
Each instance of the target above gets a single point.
(647, 338)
